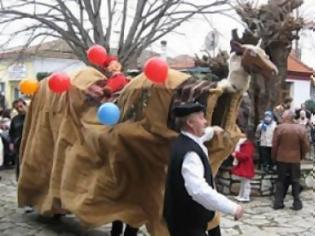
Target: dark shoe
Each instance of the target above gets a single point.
(8, 167)
(58, 216)
(266, 171)
(28, 210)
(278, 206)
(297, 205)
(270, 171)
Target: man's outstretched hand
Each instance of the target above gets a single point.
(217, 129)
(239, 212)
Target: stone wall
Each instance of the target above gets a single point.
(311, 154)
(263, 184)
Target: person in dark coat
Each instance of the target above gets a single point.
(289, 146)
(16, 130)
(190, 199)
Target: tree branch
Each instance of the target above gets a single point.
(150, 21)
(123, 26)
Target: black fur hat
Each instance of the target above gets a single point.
(184, 109)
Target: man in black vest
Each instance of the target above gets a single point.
(190, 198)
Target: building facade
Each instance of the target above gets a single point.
(49, 57)
(299, 82)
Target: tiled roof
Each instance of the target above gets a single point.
(310, 25)
(296, 66)
(52, 49)
(59, 49)
(181, 62)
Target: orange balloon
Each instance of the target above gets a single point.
(28, 86)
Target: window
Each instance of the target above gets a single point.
(17, 70)
(16, 93)
(312, 92)
(287, 91)
(2, 87)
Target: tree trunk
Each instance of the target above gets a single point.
(275, 24)
(279, 55)
(266, 94)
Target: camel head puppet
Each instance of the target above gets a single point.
(244, 60)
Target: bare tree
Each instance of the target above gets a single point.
(217, 64)
(277, 26)
(82, 23)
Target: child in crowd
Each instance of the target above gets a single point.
(264, 135)
(243, 167)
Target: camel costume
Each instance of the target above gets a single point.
(102, 174)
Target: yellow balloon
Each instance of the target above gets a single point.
(28, 86)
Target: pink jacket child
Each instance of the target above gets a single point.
(243, 167)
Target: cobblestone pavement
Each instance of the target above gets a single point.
(259, 219)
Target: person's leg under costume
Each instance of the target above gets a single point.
(117, 229)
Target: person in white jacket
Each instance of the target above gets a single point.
(264, 134)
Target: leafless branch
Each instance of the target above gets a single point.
(81, 22)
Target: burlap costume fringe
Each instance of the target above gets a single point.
(99, 173)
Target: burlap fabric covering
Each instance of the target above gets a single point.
(99, 173)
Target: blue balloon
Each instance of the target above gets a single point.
(108, 113)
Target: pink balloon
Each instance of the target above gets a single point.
(97, 55)
(59, 82)
(156, 70)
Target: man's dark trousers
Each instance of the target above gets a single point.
(293, 171)
(117, 229)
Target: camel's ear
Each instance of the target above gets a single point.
(259, 43)
(237, 47)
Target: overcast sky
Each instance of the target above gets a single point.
(190, 37)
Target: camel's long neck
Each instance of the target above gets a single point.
(236, 69)
(238, 74)
(238, 77)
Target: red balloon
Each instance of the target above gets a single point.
(97, 55)
(156, 70)
(59, 82)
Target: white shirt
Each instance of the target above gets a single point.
(195, 183)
